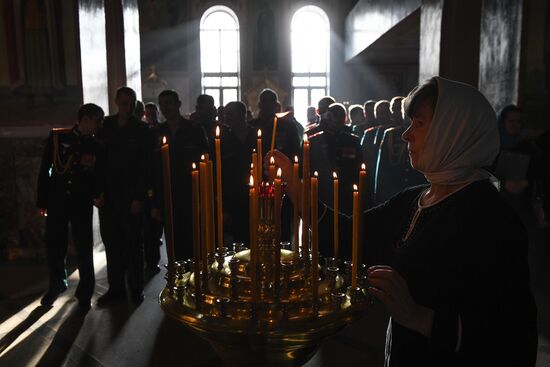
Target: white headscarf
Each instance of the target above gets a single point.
(462, 138)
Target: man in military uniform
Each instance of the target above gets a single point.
(187, 142)
(68, 183)
(152, 227)
(127, 156)
(205, 114)
(237, 141)
(323, 118)
(335, 149)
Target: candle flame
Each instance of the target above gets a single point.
(193, 166)
(271, 160)
(334, 175)
(218, 131)
(316, 174)
(279, 172)
(295, 159)
(355, 187)
(251, 181)
(203, 157)
(164, 140)
(363, 167)
(259, 133)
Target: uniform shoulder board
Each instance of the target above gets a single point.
(316, 135)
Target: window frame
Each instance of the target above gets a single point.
(220, 74)
(309, 74)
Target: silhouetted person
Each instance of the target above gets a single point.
(128, 153)
(311, 116)
(237, 141)
(324, 118)
(370, 141)
(205, 114)
(292, 118)
(151, 114)
(139, 111)
(335, 149)
(518, 166)
(396, 111)
(187, 142)
(357, 118)
(152, 227)
(286, 138)
(69, 182)
(368, 106)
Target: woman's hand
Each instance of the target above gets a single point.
(386, 284)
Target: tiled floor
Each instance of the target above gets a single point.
(141, 336)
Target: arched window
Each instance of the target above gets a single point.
(219, 44)
(310, 38)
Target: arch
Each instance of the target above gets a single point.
(220, 54)
(310, 49)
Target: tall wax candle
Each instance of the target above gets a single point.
(336, 208)
(219, 190)
(169, 213)
(295, 222)
(252, 198)
(362, 193)
(259, 164)
(314, 238)
(274, 134)
(196, 227)
(271, 168)
(305, 198)
(203, 215)
(355, 238)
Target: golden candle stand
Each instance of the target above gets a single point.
(272, 319)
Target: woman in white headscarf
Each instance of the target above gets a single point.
(452, 255)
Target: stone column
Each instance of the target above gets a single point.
(449, 40)
(500, 51)
(123, 47)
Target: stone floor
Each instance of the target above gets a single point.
(34, 335)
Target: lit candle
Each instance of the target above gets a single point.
(362, 193)
(274, 133)
(335, 214)
(314, 237)
(203, 205)
(168, 211)
(196, 227)
(355, 238)
(296, 186)
(278, 202)
(219, 190)
(271, 168)
(253, 230)
(259, 166)
(278, 198)
(305, 198)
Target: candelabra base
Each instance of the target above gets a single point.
(256, 342)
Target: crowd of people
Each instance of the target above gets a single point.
(431, 243)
